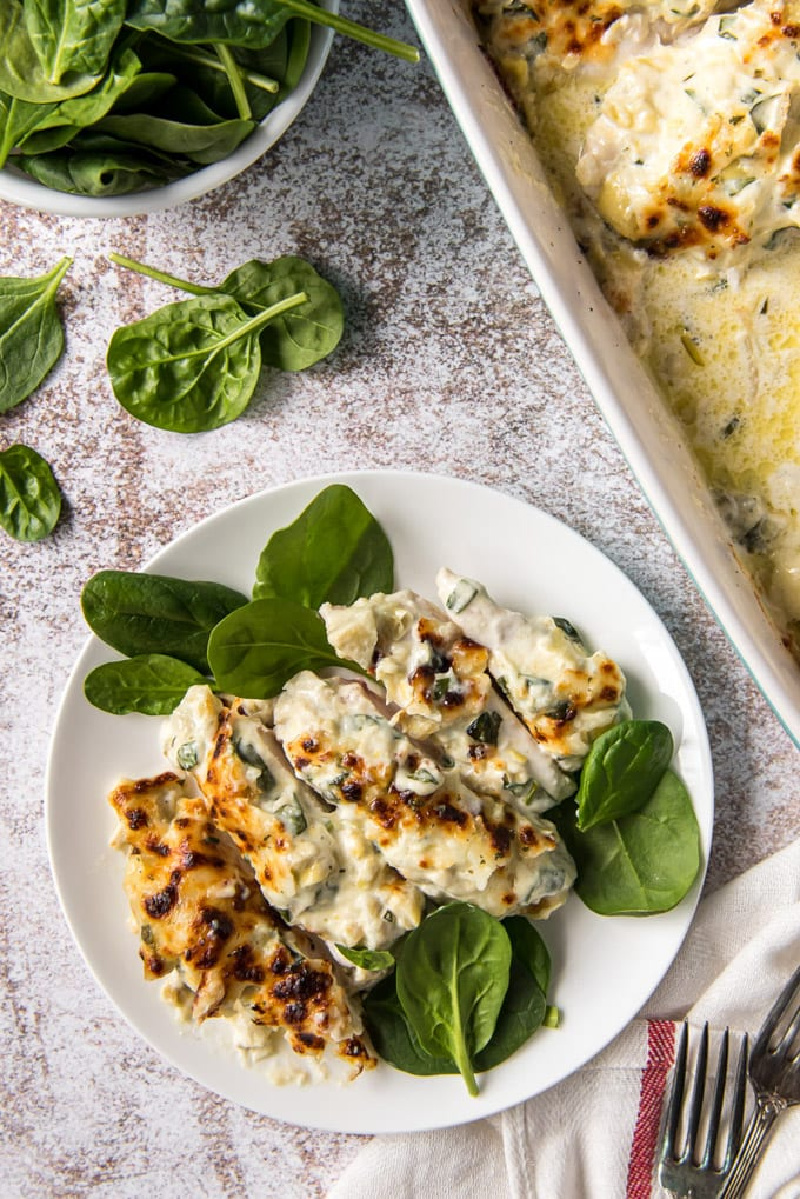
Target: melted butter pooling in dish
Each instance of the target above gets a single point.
(671, 135)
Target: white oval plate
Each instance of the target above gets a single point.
(604, 968)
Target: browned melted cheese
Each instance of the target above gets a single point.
(231, 946)
(395, 813)
(575, 694)
(228, 793)
(565, 28)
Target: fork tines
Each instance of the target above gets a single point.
(689, 1150)
(779, 1015)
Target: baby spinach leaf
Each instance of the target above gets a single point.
(523, 1011)
(305, 334)
(621, 771)
(73, 37)
(234, 22)
(153, 684)
(190, 366)
(645, 862)
(155, 614)
(292, 341)
(392, 1037)
(18, 118)
(335, 551)
(299, 44)
(58, 123)
(452, 978)
(243, 23)
(21, 71)
(199, 68)
(31, 335)
(88, 172)
(146, 89)
(192, 129)
(258, 648)
(368, 959)
(529, 949)
(30, 499)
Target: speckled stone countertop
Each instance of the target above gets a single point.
(450, 363)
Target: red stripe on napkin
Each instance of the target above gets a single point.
(660, 1056)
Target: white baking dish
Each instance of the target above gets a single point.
(647, 433)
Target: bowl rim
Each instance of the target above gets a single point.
(16, 188)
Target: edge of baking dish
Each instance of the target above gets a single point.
(647, 432)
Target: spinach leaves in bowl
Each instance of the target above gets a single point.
(152, 93)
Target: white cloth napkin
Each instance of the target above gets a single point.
(594, 1135)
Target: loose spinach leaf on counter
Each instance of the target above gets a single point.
(154, 614)
(622, 770)
(302, 336)
(30, 498)
(191, 366)
(153, 684)
(452, 977)
(244, 23)
(292, 341)
(334, 551)
(644, 862)
(31, 335)
(258, 648)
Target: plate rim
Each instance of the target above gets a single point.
(378, 476)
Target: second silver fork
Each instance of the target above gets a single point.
(775, 1074)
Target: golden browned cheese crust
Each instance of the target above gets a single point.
(199, 908)
(428, 824)
(228, 792)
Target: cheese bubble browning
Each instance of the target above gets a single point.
(201, 914)
(311, 865)
(435, 831)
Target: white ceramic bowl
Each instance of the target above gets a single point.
(20, 189)
(648, 435)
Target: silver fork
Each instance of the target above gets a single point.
(775, 1075)
(687, 1168)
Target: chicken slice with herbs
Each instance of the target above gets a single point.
(201, 915)
(445, 838)
(319, 871)
(565, 696)
(437, 678)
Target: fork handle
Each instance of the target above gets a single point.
(768, 1108)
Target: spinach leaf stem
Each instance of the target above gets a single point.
(359, 33)
(231, 68)
(204, 59)
(141, 268)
